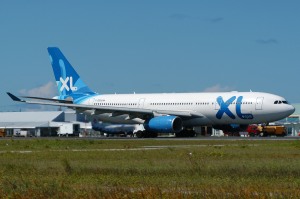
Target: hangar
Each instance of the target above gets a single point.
(49, 123)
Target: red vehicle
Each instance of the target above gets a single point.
(253, 130)
(256, 130)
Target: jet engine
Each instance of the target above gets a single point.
(165, 124)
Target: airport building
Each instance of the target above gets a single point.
(68, 123)
(43, 124)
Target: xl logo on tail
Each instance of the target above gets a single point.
(65, 84)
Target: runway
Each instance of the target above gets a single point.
(158, 138)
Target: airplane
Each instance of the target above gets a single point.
(175, 113)
(116, 129)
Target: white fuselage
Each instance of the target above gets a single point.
(209, 108)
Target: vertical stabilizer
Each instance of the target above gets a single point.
(68, 81)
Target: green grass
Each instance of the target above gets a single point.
(62, 168)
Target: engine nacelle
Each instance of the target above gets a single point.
(165, 124)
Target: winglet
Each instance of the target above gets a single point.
(13, 97)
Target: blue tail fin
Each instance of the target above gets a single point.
(67, 79)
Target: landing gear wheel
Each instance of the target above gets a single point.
(186, 133)
(139, 134)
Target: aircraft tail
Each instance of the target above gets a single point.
(68, 81)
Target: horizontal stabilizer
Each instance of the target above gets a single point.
(13, 97)
(50, 99)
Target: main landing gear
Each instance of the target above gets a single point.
(146, 134)
(183, 133)
(186, 133)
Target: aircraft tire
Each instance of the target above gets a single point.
(139, 134)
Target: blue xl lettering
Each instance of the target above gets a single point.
(238, 109)
(224, 108)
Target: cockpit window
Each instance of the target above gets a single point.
(280, 102)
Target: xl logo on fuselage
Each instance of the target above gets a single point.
(224, 108)
(65, 84)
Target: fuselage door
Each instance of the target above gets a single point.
(141, 102)
(259, 103)
(92, 101)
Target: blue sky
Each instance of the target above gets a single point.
(152, 46)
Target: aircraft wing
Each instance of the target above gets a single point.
(48, 99)
(115, 111)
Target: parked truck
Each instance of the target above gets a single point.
(20, 133)
(69, 129)
(272, 130)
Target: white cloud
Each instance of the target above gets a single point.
(47, 90)
(218, 88)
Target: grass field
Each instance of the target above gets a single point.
(62, 168)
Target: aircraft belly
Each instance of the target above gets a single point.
(197, 122)
(227, 120)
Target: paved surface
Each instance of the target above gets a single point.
(159, 138)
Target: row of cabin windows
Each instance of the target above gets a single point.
(197, 103)
(242, 103)
(115, 104)
(155, 104)
(202, 103)
(135, 104)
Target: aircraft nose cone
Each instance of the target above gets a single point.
(289, 110)
(292, 109)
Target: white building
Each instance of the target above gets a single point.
(50, 123)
